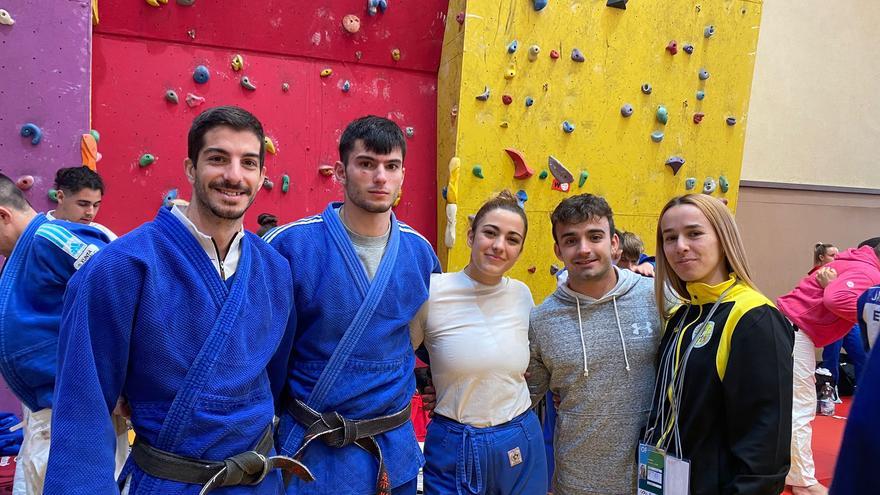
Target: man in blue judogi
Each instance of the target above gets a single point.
(185, 317)
(359, 277)
(41, 256)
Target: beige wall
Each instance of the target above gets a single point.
(814, 116)
(780, 227)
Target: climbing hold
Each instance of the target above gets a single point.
(559, 171)
(617, 4)
(657, 136)
(285, 87)
(191, 33)
(410, 132)
(567, 126)
(484, 95)
(698, 117)
(346, 86)
(543, 175)
(688, 48)
(662, 115)
(504, 124)
(359, 55)
(646, 88)
(32, 131)
(171, 96)
(460, 17)
(444, 192)
(269, 145)
(626, 110)
(510, 73)
(512, 46)
(554, 269)
(723, 184)
(690, 183)
(247, 84)
(520, 169)
(554, 54)
(201, 74)
(88, 148)
(237, 62)
(539, 5)
(96, 135)
(170, 196)
(452, 184)
(534, 50)
(326, 170)
(285, 183)
(529, 101)
(521, 198)
(583, 178)
(731, 120)
(53, 195)
(156, 3)
(532, 269)
(375, 6)
(703, 75)
(453, 112)
(5, 18)
(507, 99)
(268, 184)
(477, 171)
(577, 56)
(25, 182)
(351, 23)
(675, 163)
(326, 72)
(672, 47)
(701, 94)
(146, 160)
(186, 3)
(395, 54)
(709, 31)
(709, 185)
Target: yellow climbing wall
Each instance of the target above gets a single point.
(623, 50)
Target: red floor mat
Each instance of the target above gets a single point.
(827, 435)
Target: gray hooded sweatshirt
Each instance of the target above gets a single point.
(598, 356)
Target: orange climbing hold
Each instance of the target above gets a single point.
(521, 170)
(89, 150)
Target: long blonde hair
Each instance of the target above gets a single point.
(731, 244)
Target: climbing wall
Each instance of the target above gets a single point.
(44, 91)
(309, 77)
(637, 105)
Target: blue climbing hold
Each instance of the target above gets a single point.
(346, 85)
(662, 115)
(704, 74)
(657, 136)
(701, 94)
(512, 46)
(521, 198)
(201, 74)
(568, 127)
(709, 31)
(443, 192)
(626, 110)
(539, 5)
(529, 101)
(32, 131)
(577, 56)
(170, 196)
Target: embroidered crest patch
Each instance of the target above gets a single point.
(514, 456)
(703, 334)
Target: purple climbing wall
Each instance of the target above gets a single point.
(44, 80)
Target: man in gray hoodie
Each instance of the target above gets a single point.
(594, 344)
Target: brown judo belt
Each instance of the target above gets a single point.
(336, 431)
(247, 468)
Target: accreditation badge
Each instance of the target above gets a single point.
(660, 473)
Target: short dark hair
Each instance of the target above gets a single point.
(11, 196)
(72, 180)
(379, 135)
(580, 208)
(228, 116)
(504, 200)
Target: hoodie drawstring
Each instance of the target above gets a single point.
(583, 344)
(619, 330)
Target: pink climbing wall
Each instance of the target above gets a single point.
(44, 80)
(140, 52)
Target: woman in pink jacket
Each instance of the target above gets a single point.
(823, 309)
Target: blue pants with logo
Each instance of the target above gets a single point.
(507, 459)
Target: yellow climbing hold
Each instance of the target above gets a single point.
(452, 185)
(237, 62)
(395, 54)
(156, 3)
(270, 146)
(326, 72)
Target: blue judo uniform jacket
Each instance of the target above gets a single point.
(352, 352)
(198, 358)
(32, 287)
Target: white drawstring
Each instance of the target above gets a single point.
(583, 344)
(619, 330)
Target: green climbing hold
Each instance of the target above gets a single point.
(583, 178)
(723, 183)
(146, 160)
(662, 115)
(478, 171)
(543, 175)
(95, 135)
(285, 183)
(53, 195)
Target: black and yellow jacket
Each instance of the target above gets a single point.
(735, 409)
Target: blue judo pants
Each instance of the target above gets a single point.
(855, 350)
(507, 459)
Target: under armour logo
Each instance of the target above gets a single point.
(645, 326)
